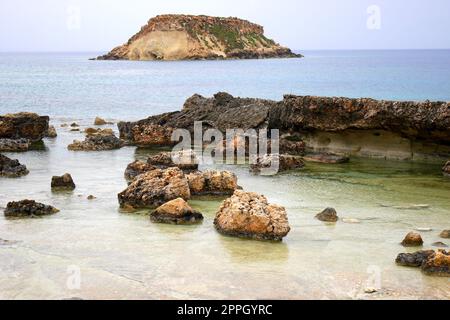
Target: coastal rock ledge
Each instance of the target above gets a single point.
(188, 37)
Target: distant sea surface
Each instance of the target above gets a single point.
(69, 85)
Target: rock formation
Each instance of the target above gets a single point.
(99, 141)
(28, 208)
(249, 215)
(445, 234)
(343, 126)
(186, 160)
(11, 168)
(136, 168)
(186, 37)
(212, 182)
(270, 162)
(14, 145)
(19, 131)
(433, 263)
(51, 132)
(328, 215)
(413, 259)
(64, 182)
(412, 239)
(177, 211)
(154, 188)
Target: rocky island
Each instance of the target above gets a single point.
(188, 37)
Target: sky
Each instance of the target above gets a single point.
(100, 25)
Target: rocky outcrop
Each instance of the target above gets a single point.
(154, 188)
(137, 168)
(177, 211)
(65, 182)
(249, 215)
(11, 168)
(433, 263)
(212, 182)
(274, 163)
(23, 125)
(328, 215)
(412, 239)
(187, 37)
(14, 145)
(186, 160)
(28, 208)
(99, 141)
(446, 169)
(308, 124)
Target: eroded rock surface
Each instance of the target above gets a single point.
(64, 182)
(212, 182)
(11, 168)
(445, 234)
(249, 215)
(177, 211)
(97, 141)
(275, 163)
(14, 145)
(412, 239)
(136, 168)
(23, 125)
(413, 259)
(433, 263)
(28, 208)
(328, 215)
(185, 160)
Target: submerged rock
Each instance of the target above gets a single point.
(14, 145)
(64, 182)
(326, 158)
(438, 264)
(412, 239)
(445, 234)
(28, 208)
(273, 163)
(100, 141)
(177, 211)
(11, 168)
(249, 215)
(328, 215)
(154, 188)
(136, 168)
(23, 125)
(100, 122)
(446, 169)
(413, 259)
(439, 244)
(212, 182)
(51, 132)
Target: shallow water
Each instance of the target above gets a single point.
(125, 256)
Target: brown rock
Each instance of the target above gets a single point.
(28, 208)
(176, 211)
(413, 259)
(438, 264)
(64, 182)
(100, 141)
(23, 125)
(185, 160)
(154, 188)
(14, 145)
(328, 215)
(249, 215)
(12, 168)
(445, 234)
(137, 168)
(51, 132)
(412, 239)
(212, 183)
(270, 164)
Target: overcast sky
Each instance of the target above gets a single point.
(99, 25)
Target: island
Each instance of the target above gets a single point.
(189, 37)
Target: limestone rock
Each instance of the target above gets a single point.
(23, 125)
(11, 168)
(100, 122)
(186, 160)
(274, 163)
(177, 211)
(136, 168)
(249, 215)
(328, 215)
(28, 208)
(445, 234)
(154, 188)
(438, 264)
(14, 145)
(212, 182)
(64, 182)
(412, 239)
(413, 259)
(100, 141)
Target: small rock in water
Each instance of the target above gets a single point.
(370, 290)
(74, 125)
(177, 211)
(101, 141)
(14, 145)
(328, 215)
(354, 221)
(12, 168)
(64, 182)
(412, 239)
(440, 244)
(212, 182)
(100, 122)
(445, 234)
(91, 197)
(438, 264)
(64, 125)
(446, 169)
(75, 130)
(412, 207)
(28, 208)
(413, 259)
(51, 132)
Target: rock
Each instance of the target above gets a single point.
(23, 125)
(74, 125)
(212, 182)
(152, 135)
(413, 259)
(100, 122)
(11, 168)
(176, 211)
(63, 182)
(92, 131)
(437, 264)
(290, 145)
(75, 130)
(328, 215)
(14, 145)
(446, 169)
(412, 239)
(51, 132)
(187, 37)
(91, 197)
(100, 141)
(64, 125)
(445, 234)
(325, 158)
(249, 215)
(273, 163)
(439, 245)
(28, 208)
(136, 168)
(154, 188)
(185, 160)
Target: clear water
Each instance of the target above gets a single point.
(124, 256)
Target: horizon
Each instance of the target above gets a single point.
(99, 26)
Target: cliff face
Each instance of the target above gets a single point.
(186, 37)
(358, 127)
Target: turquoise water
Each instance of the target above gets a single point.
(62, 84)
